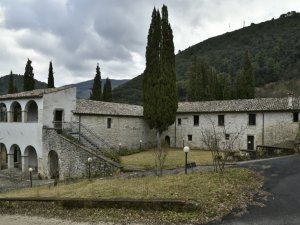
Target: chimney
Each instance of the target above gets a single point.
(290, 100)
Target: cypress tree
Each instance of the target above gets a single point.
(11, 87)
(227, 88)
(248, 76)
(28, 77)
(50, 76)
(96, 89)
(107, 91)
(159, 80)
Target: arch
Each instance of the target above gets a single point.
(32, 111)
(16, 110)
(167, 140)
(3, 157)
(32, 161)
(53, 164)
(3, 113)
(15, 153)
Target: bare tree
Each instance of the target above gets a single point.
(221, 147)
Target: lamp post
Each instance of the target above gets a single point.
(141, 145)
(186, 149)
(120, 146)
(183, 142)
(30, 175)
(90, 159)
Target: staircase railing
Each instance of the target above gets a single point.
(88, 134)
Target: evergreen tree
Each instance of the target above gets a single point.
(28, 77)
(159, 80)
(96, 90)
(227, 88)
(248, 76)
(50, 76)
(11, 86)
(107, 91)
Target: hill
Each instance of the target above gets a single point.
(84, 88)
(18, 82)
(274, 47)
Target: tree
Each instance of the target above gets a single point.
(107, 91)
(11, 86)
(28, 77)
(96, 90)
(159, 80)
(248, 76)
(50, 76)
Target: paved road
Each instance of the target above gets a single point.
(283, 181)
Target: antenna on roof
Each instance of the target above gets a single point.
(243, 23)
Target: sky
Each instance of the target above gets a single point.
(77, 34)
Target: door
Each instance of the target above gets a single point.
(250, 142)
(58, 119)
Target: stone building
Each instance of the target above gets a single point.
(54, 133)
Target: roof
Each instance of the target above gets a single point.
(37, 93)
(107, 108)
(240, 105)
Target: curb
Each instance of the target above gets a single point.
(267, 159)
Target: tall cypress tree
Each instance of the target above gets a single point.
(96, 89)
(159, 80)
(11, 87)
(248, 76)
(107, 91)
(50, 76)
(28, 77)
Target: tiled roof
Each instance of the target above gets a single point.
(37, 93)
(107, 108)
(242, 105)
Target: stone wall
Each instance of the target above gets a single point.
(73, 158)
(271, 128)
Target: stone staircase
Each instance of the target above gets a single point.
(86, 141)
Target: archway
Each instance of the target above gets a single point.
(15, 157)
(32, 111)
(3, 157)
(16, 112)
(53, 165)
(3, 113)
(32, 161)
(167, 140)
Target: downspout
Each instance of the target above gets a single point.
(263, 129)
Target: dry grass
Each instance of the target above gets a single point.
(175, 158)
(216, 193)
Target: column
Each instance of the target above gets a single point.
(24, 163)
(10, 159)
(24, 116)
(9, 116)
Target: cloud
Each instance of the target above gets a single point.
(77, 34)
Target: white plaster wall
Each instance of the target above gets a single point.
(22, 134)
(125, 130)
(278, 127)
(64, 99)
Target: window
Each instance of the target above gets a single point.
(295, 117)
(252, 119)
(190, 137)
(227, 136)
(221, 120)
(108, 122)
(179, 121)
(196, 120)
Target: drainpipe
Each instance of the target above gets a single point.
(79, 127)
(263, 129)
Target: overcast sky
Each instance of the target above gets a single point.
(76, 34)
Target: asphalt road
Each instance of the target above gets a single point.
(283, 206)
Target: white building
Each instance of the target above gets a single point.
(29, 122)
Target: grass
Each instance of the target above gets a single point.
(216, 193)
(175, 158)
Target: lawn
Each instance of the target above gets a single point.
(175, 158)
(217, 194)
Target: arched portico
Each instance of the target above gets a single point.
(53, 164)
(29, 159)
(16, 111)
(3, 157)
(32, 111)
(14, 157)
(3, 113)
